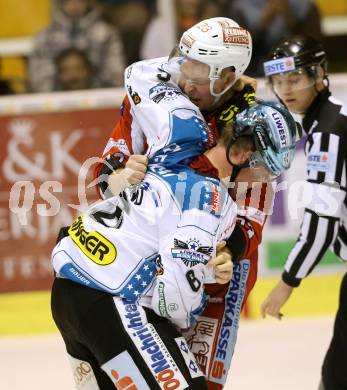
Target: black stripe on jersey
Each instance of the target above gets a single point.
(341, 238)
(309, 143)
(341, 159)
(328, 240)
(324, 147)
(305, 249)
(337, 248)
(315, 229)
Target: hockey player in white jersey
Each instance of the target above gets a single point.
(139, 279)
(157, 87)
(132, 269)
(211, 57)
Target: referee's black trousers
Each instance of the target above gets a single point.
(334, 371)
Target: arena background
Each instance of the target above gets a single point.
(44, 141)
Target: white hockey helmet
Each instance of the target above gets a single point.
(220, 43)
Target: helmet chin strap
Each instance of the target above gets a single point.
(217, 96)
(236, 168)
(236, 171)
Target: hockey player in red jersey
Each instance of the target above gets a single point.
(206, 66)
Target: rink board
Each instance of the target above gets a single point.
(29, 313)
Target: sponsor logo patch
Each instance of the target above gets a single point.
(162, 302)
(261, 139)
(234, 35)
(212, 202)
(172, 307)
(124, 373)
(281, 128)
(191, 252)
(151, 346)
(163, 92)
(281, 65)
(230, 323)
(134, 95)
(188, 41)
(216, 200)
(93, 244)
(83, 374)
(72, 273)
(321, 161)
(201, 339)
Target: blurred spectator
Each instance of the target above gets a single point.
(270, 20)
(76, 23)
(74, 71)
(131, 18)
(187, 13)
(5, 88)
(190, 12)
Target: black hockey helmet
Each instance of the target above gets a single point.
(299, 51)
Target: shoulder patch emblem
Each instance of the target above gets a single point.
(134, 95)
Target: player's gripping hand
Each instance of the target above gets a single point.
(243, 81)
(133, 173)
(135, 169)
(222, 264)
(277, 297)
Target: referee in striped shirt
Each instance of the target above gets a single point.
(297, 75)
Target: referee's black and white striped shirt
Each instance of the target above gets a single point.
(325, 218)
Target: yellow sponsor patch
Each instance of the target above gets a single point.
(93, 244)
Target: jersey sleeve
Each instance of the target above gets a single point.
(178, 292)
(325, 189)
(121, 139)
(252, 210)
(126, 139)
(153, 114)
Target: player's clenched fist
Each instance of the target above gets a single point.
(135, 168)
(133, 173)
(222, 264)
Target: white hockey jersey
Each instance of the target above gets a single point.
(152, 244)
(155, 113)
